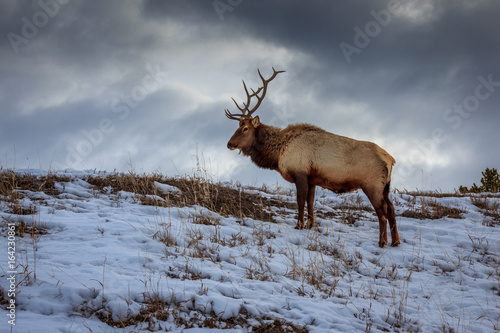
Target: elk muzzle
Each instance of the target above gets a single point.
(231, 146)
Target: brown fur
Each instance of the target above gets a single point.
(270, 142)
(310, 156)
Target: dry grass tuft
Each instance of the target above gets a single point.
(4, 301)
(13, 187)
(216, 197)
(280, 326)
(433, 210)
(222, 199)
(32, 230)
(155, 311)
(490, 209)
(456, 194)
(349, 211)
(11, 181)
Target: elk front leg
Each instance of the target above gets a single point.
(311, 220)
(302, 189)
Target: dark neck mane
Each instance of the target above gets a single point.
(270, 142)
(267, 147)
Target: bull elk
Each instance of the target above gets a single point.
(309, 156)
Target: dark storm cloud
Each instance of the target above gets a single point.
(402, 73)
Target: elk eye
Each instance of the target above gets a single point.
(245, 129)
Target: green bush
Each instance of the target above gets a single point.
(490, 182)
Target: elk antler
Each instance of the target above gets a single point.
(245, 112)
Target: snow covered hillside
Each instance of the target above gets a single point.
(126, 253)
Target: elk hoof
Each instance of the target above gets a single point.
(395, 243)
(299, 226)
(382, 243)
(311, 222)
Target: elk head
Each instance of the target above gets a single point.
(244, 136)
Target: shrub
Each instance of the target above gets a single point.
(490, 182)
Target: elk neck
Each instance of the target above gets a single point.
(267, 147)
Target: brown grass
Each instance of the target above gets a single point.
(433, 210)
(456, 194)
(33, 230)
(4, 301)
(182, 314)
(216, 197)
(14, 185)
(491, 210)
(280, 326)
(11, 182)
(349, 211)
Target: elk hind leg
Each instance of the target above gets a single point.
(378, 202)
(391, 216)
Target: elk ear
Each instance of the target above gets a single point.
(256, 121)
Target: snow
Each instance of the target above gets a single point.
(166, 189)
(106, 253)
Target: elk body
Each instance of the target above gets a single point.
(309, 156)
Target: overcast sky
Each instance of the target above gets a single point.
(142, 85)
